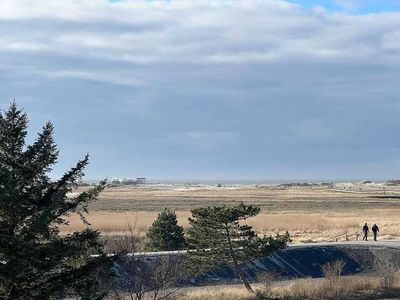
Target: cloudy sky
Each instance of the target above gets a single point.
(245, 89)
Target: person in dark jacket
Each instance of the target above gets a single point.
(365, 230)
(375, 230)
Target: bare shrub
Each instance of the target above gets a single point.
(332, 285)
(139, 276)
(267, 279)
(333, 270)
(302, 289)
(146, 278)
(120, 242)
(128, 241)
(386, 266)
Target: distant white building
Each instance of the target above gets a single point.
(115, 181)
(128, 181)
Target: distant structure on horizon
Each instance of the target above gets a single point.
(141, 180)
(128, 181)
(393, 182)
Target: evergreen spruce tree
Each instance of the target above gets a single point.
(218, 238)
(165, 234)
(36, 261)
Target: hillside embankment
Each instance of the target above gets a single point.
(298, 261)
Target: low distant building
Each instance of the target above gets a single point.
(393, 182)
(128, 181)
(141, 180)
(116, 181)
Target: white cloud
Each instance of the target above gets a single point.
(138, 38)
(179, 30)
(99, 76)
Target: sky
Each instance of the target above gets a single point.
(210, 89)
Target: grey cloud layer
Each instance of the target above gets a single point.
(201, 84)
(150, 32)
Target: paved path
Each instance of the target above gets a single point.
(368, 244)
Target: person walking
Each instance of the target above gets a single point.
(365, 230)
(375, 230)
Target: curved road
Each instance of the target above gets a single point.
(368, 244)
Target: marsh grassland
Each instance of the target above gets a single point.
(309, 213)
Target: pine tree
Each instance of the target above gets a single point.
(36, 261)
(165, 234)
(218, 238)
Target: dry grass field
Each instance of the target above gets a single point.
(310, 214)
(349, 288)
(339, 198)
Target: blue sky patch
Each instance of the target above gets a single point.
(353, 6)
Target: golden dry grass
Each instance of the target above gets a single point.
(303, 227)
(272, 199)
(226, 293)
(349, 287)
(309, 214)
(345, 286)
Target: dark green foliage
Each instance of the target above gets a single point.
(218, 237)
(36, 262)
(165, 234)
